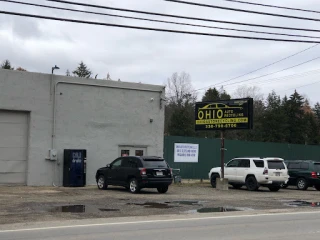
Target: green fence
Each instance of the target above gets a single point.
(209, 153)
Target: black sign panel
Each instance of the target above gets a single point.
(223, 115)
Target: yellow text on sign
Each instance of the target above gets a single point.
(208, 114)
(226, 120)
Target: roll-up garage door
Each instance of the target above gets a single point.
(13, 147)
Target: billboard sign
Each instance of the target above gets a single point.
(224, 115)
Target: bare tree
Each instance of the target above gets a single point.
(179, 89)
(179, 110)
(248, 92)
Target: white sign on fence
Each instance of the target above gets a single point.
(186, 152)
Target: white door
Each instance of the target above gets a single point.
(230, 171)
(13, 147)
(132, 151)
(243, 169)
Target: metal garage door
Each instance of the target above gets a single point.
(13, 147)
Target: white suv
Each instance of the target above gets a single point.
(253, 172)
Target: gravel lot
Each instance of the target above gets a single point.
(35, 204)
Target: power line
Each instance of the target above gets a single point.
(260, 68)
(273, 6)
(181, 17)
(273, 72)
(300, 86)
(261, 76)
(292, 76)
(154, 29)
(243, 10)
(153, 20)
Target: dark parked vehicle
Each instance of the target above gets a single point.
(135, 173)
(303, 174)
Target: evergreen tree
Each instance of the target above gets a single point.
(312, 133)
(7, 65)
(316, 110)
(182, 121)
(274, 121)
(212, 94)
(295, 119)
(82, 71)
(223, 94)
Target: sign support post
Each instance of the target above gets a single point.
(222, 154)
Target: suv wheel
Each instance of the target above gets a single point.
(251, 183)
(163, 189)
(317, 187)
(274, 188)
(213, 180)
(302, 184)
(133, 186)
(101, 183)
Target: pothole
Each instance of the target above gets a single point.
(301, 203)
(218, 209)
(80, 209)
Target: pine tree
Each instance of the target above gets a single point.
(82, 71)
(316, 110)
(212, 94)
(223, 94)
(7, 65)
(274, 120)
(295, 119)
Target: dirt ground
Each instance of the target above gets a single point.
(37, 204)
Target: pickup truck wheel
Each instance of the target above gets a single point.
(317, 187)
(302, 184)
(163, 189)
(133, 186)
(213, 180)
(251, 183)
(236, 186)
(101, 183)
(274, 188)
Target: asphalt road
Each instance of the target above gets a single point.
(264, 226)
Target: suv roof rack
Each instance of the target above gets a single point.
(150, 157)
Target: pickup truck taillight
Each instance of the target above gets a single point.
(314, 175)
(143, 171)
(265, 171)
(171, 171)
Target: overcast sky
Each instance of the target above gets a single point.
(151, 57)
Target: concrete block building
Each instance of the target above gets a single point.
(40, 112)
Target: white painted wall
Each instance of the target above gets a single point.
(97, 118)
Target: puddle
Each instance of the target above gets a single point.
(190, 203)
(80, 209)
(298, 203)
(218, 209)
(152, 205)
(108, 210)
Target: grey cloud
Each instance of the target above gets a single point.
(151, 57)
